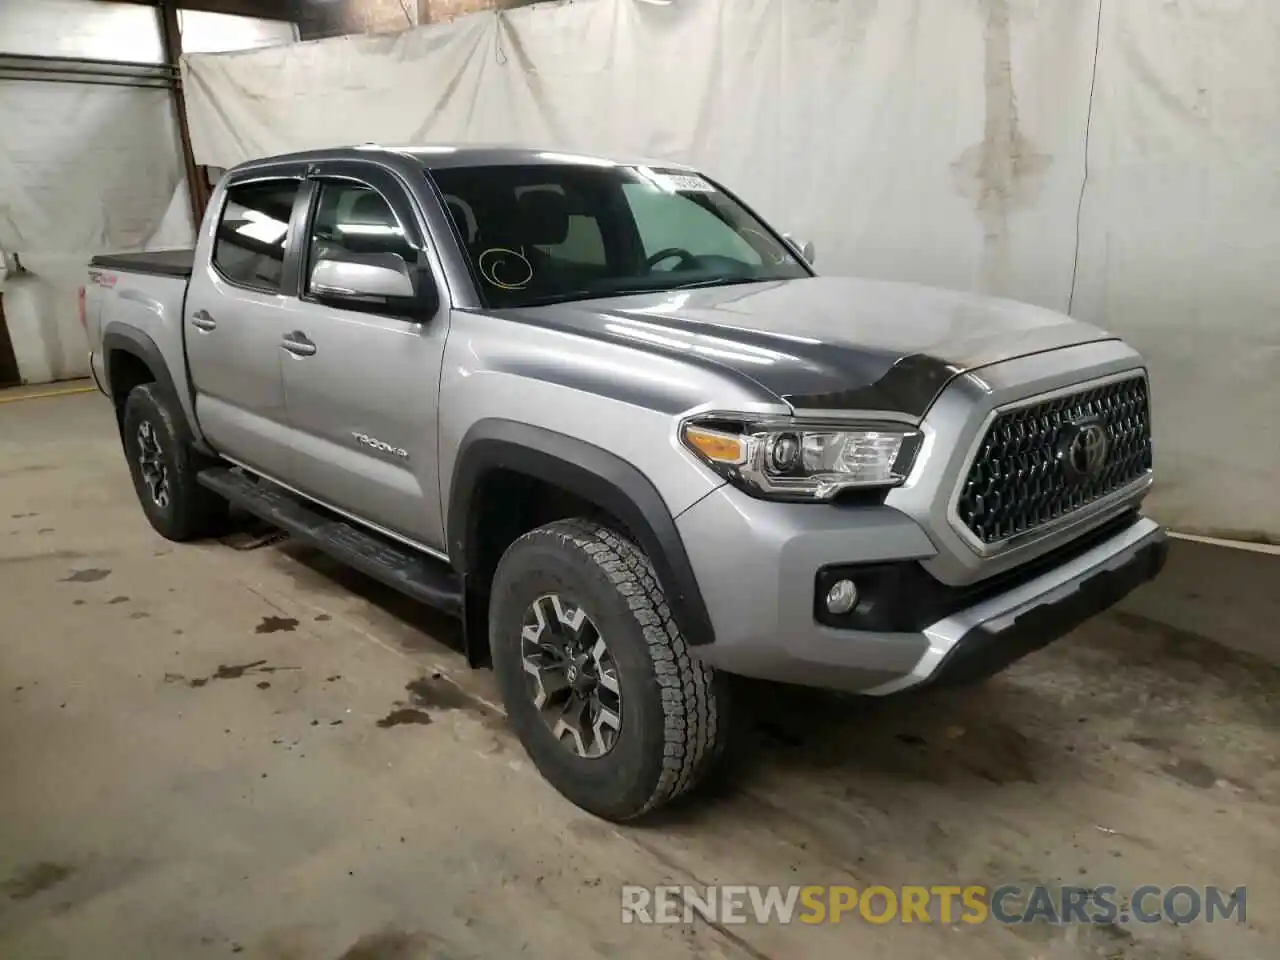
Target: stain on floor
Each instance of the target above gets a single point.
(236, 671)
(403, 716)
(276, 625)
(22, 558)
(387, 945)
(436, 692)
(35, 879)
(91, 575)
(228, 672)
(1192, 772)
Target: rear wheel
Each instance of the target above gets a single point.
(596, 677)
(164, 467)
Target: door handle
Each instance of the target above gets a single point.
(202, 321)
(298, 344)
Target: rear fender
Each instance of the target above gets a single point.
(120, 340)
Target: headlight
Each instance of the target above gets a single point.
(793, 460)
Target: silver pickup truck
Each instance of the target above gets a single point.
(615, 422)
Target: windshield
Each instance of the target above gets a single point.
(544, 233)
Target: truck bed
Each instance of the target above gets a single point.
(165, 263)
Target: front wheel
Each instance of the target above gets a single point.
(596, 677)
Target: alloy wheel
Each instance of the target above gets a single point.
(155, 475)
(572, 676)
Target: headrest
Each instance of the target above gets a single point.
(543, 217)
(371, 208)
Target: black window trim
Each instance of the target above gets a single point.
(364, 175)
(299, 179)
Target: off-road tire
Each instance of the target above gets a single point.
(192, 511)
(675, 710)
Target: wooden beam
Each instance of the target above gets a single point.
(171, 37)
(290, 10)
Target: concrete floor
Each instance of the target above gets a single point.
(191, 765)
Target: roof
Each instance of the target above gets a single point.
(440, 156)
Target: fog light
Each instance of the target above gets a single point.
(842, 597)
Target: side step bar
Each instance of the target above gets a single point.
(398, 566)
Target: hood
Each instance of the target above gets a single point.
(826, 343)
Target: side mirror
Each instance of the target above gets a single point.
(803, 248)
(365, 280)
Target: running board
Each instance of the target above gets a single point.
(398, 566)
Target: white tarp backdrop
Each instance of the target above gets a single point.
(942, 141)
(83, 169)
(89, 169)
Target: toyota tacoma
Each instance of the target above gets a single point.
(615, 422)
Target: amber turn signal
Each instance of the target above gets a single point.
(716, 446)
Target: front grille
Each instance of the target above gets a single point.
(1022, 478)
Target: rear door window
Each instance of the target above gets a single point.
(250, 244)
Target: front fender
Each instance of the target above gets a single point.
(592, 474)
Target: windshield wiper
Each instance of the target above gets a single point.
(554, 298)
(716, 282)
(568, 296)
(713, 282)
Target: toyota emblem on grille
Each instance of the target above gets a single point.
(1083, 449)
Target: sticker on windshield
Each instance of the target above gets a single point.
(684, 183)
(504, 268)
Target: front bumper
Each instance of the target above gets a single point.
(989, 636)
(756, 563)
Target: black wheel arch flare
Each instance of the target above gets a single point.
(592, 474)
(124, 339)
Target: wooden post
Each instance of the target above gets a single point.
(171, 36)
